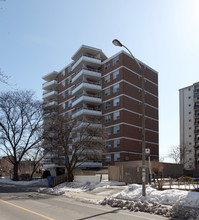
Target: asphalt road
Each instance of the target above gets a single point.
(22, 203)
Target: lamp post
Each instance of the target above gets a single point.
(118, 43)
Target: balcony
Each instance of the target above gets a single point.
(87, 111)
(91, 60)
(51, 104)
(82, 124)
(49, 85)
(50, 95)
(87, 99)
(88, 86)
(85, 138)
(50, 76)
(92, 74)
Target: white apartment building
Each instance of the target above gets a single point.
(189, 126)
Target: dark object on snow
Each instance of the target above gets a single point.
(46, 173)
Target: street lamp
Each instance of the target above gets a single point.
(118, 43)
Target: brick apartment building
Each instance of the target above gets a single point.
(109, 89)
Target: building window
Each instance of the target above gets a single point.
(107, 118)
(63, 106)
(190, 135)
(107, 92)
(116, 74)
(116, 129)
(69, 69)
(189, 97)
(107, 78)
(63, 73)
(108, 158)
(107, 65)
(108, 131)
(69, 80)
(117, 143)
(189, 105)
(63, 95)
(108, 144)
(116, 88)
(116, 101)
(63, 83)
(117, 157)
(69, 92)
(107, 105)
(116, 115)
(70, 113)
(189, 112)
(70, 148)
(69, 103)
(115, 60)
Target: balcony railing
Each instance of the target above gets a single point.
(88, 69)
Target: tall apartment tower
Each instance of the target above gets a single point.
(189, 126)
(109, 89)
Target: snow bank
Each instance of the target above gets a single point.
(166, 197)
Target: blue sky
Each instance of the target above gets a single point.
(38, 37)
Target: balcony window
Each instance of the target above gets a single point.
(116, 88)
(70, 113)
(70, 148)
(63, 73)
(107, 105)
(116, 115)
(63, 83)
(116, 74)
(107, 78)
(63, 95)
(117, 143)
(108, 144)
(117, 157)
(69, 92)
(107, 65)
(108, 131)
(63, 106)
(69, 80)
(107, 92)
(69, 69)
(108, 158)
(115, 60)
(69, 103)
(107, 118)
(116, 101)
(116, 129)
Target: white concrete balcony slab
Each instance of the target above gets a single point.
(81, 125)
(86, 111)
(50, 85)
(89, 73)
(86, 59)
(88, 86)
(50, 76)
(86, 138)
(51, 104)
(50, 95)
(87, 99)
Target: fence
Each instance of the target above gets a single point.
(127, 174)
(59, 179)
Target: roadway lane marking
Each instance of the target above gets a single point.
(26, 210)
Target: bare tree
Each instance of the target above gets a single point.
(157, 169)
(79, 141)
(3, 78)
(36, 155)
(178, 154)
(20, 125)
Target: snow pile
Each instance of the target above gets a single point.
(166, 197)
(169, 203)
(23, 183)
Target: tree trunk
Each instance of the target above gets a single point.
(70, 175)
(15, 172)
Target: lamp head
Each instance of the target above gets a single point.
(117, 43)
